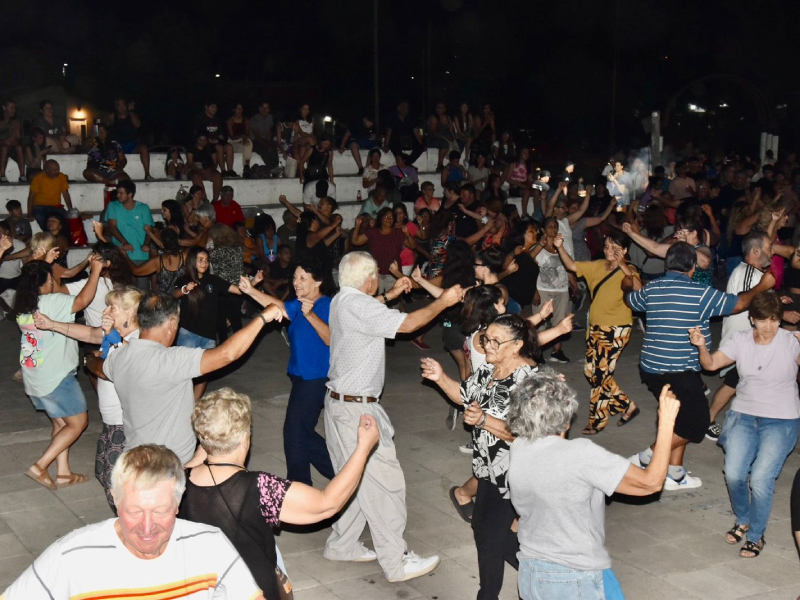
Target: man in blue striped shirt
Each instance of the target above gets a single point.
(674, 304)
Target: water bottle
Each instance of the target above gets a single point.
(358, 196)
(96, 127)
(182, 194)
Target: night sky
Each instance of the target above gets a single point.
(545, 67)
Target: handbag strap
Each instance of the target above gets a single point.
(596, 288)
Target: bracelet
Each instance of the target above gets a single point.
(263, 318)
(183, 290)
(482, 423)
(385, 298)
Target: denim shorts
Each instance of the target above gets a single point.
(187, 339)
(67, 400)
(540, 580)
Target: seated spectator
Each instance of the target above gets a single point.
(494, 189)
(239, 135)
(201, 161)
(402, 136)
(228, 211)
(487, 130)
(478, 174)
(175, 167)
(441, 134)
(11, 140)
(106, 160)
(454, 172)
(262, 132)
(302, 136)
(124, 125)
(360, 134)
(406, 178)
(118, 556)
(387, 180)
(287, 233)
(316, 164)
(57, 136)
(466, 128)
(18, 226)
(373, 205)
(426, 200)
(504, 153)
(222, 492)
(46, 191)
(279, 274)
(57, 227)
(370, 172)
(519, 178)
(35, 153)
(126, 219)
(209, 123)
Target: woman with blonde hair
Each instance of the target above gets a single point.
(246, 505)
(119, 324)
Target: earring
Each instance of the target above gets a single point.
(125, 325)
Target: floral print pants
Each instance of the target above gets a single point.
(604, 344)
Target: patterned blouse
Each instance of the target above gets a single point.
(227, 263)
(490, 455)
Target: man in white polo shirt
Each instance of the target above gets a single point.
(360, 325)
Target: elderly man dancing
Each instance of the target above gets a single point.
(360, 324)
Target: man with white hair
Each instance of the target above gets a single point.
(360, 324)
(146, 552)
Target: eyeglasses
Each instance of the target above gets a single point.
(494, 345)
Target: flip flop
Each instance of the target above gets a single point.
(71, 479)
(42, 478)
(464, 510)
(625, 419)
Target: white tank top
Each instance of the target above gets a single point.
(476, 359)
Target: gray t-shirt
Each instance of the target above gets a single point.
(359, 327)
(558, 488)
(154, 384)
(263, 125)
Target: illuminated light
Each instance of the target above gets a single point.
(781, 106)
(724, 105)
(412, 78)
(696, 109)
(327, 119)
(217, 75)
(79, 114)
(447, 72)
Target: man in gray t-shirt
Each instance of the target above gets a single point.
(262, 130)
(154, 379)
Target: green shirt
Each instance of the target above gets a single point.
(131, 225)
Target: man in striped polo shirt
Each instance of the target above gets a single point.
(674, 304)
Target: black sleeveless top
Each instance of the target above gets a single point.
(124, 131)
(256, 499)
(317, 165)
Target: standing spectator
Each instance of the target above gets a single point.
(262, 132)
(106, 160)
(682, 186)
(520, 179)
(35, 154)
(360, 134)
(360, 325)
(59, 140)
(239, 135)
(46, 190)
(375, 203)
(402, 136)
(762, 425)
(386, 242)
(126, 219)
(454, 172)
(504, 153)
(210, 123)
(49, 361)
(227, 263)
(11, 140)
(676, 302)
(124, 125)
(487, 130)
(200, 160)
(228, 211)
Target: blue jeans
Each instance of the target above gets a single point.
(302, 444)
(187, 339)
(756, 447)
(540, 580)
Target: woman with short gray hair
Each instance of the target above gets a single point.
(558, 489)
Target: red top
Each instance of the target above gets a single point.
(228, 214)
(385, 248)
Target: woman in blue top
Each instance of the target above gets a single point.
(309, 337)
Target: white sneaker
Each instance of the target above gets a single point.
(416, 566)
(366, 555)
(687, 483)
(466, 448)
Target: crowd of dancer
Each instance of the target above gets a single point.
(502, 283)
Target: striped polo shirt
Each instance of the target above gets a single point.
(674, 304)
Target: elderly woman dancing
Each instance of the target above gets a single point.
(246, 505)
(511, 349)
(559, 486)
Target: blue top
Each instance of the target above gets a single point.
(309, 357)
(674, 304)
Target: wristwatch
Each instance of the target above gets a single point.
(85, 360)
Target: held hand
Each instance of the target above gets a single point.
(473, 414)
(394, 269)
(337, 220)
(258, 277)
(668, 405)
(589, 190)
(127, 248)
(145, 248)
(452, 296)
(431, 369)
(190, 286)
(404, 229)
(341, 151)
(52, 255)
(546, 310)
(368, 432)
(559, 241)
(245, 286)
(791, 316)
(706, 208)
(5, 244)
(96, 264)
(416, 274)
(307, 306)
(360, 220)
(696, 338)
(272, 313)
(401, 286)
(42, 322)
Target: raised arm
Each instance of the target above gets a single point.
(425, 315)
(289, 206)
(566, 259)
(576, 216)
(595, 221)
(658, 249)
(356, 237)
(246, 287)
(86, 295)
(710, 362)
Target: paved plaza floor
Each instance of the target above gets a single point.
(666, 546)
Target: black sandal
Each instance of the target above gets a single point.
(737, 533)
(626, 418)
(753, 547)
(464, 510)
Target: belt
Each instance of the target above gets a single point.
(345, 398)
